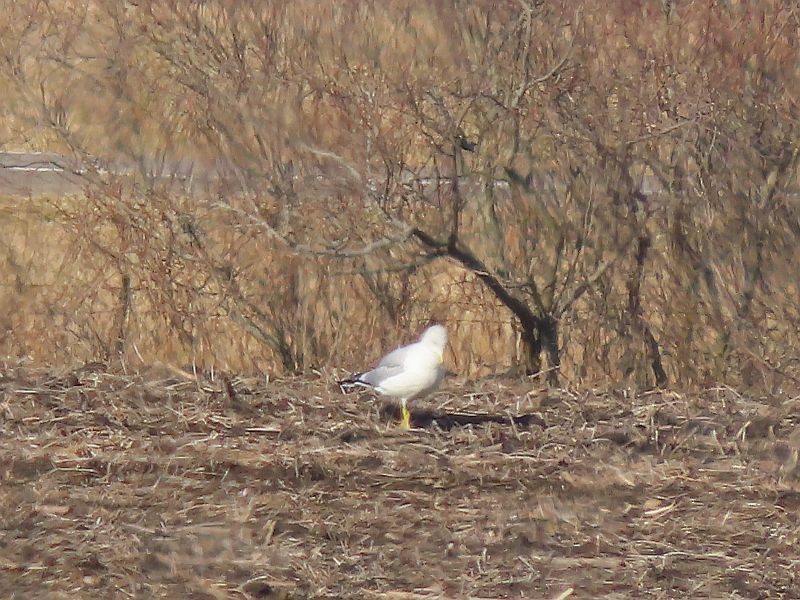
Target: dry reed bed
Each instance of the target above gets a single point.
(158, 485)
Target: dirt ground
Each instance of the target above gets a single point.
(160, 485)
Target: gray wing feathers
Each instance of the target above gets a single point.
(395, 358)
(381, 373)
(392, 364)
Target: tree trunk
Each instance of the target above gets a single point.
(541, 337)
(549, 333)
(538, 333)
(637, 316)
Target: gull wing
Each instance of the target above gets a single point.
(380, 374)
(392, 364)
(397, 358)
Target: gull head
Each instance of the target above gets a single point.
(435, 336)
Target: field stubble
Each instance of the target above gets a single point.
(163, 485)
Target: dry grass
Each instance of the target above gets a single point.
(61, 285)
(160, 485)
(329, 126)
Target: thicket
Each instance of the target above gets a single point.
(591, 192)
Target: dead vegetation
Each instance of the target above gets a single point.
(596, 194)
(600, 196)
(163, 485)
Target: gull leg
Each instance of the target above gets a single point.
(405, 423)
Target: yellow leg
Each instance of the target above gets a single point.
(405, 423)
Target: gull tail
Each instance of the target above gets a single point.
(353, 383)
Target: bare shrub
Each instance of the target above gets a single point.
(615, 187)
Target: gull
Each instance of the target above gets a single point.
(409, 372)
